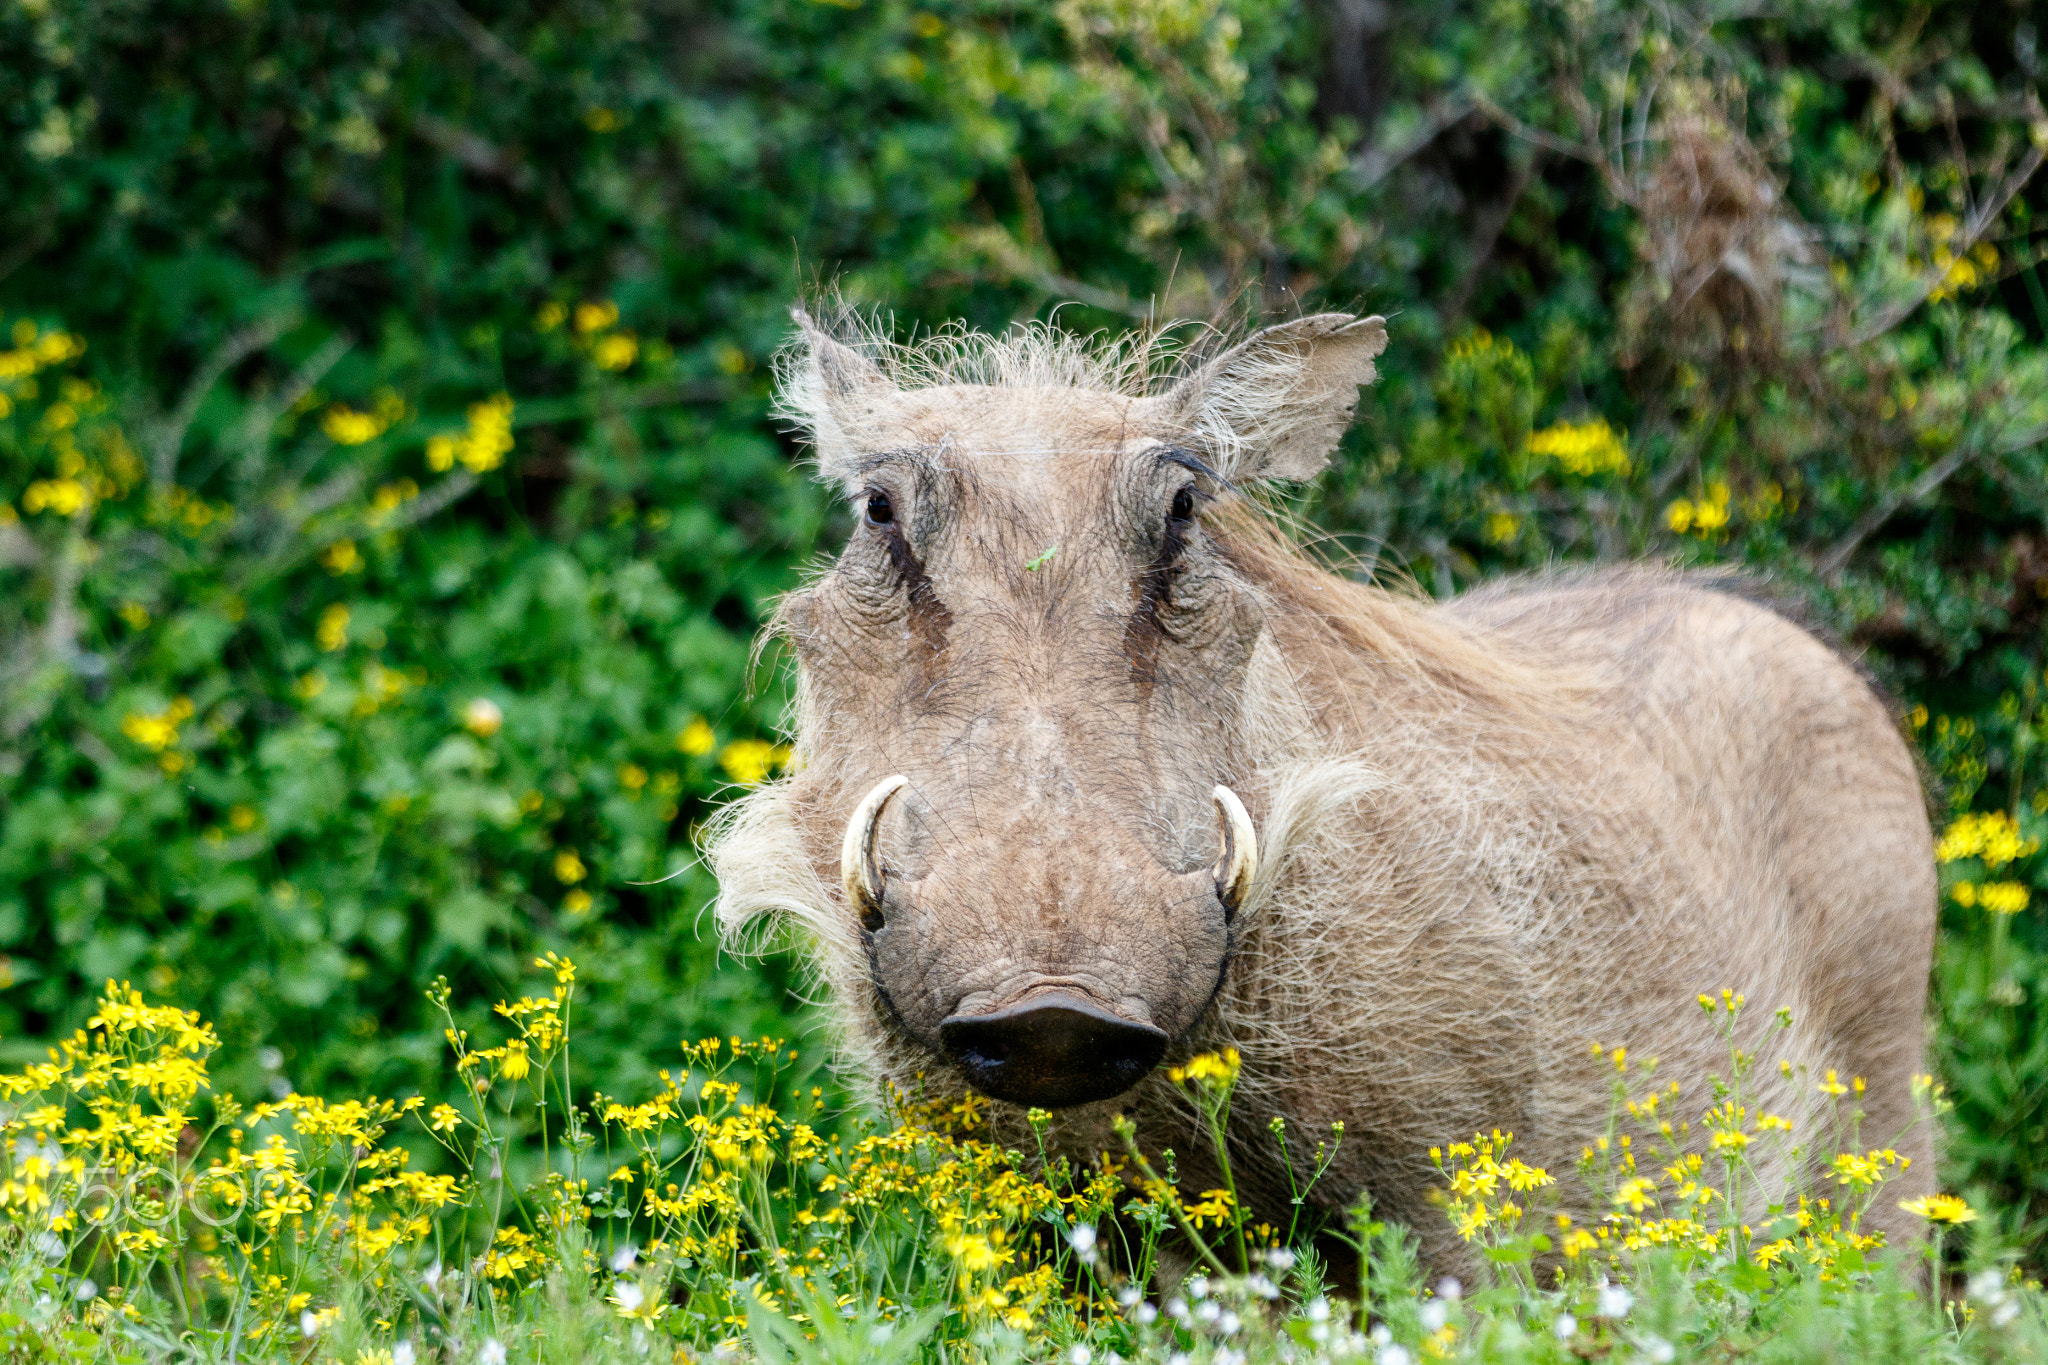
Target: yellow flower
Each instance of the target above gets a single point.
(444, 1119)
(160, 731)
(2002, 898)
(347, 427)
(332, 632)
(1583, 448)
(697, 738)
(569, 868)
(749, 761)
(577, 902)
(482, 446)
(595, 317)
(1502, 526)
(1939, 1208)
(1220, 1068)
(341, 558)
(1992, 836)
(65, 497)
(615, 352)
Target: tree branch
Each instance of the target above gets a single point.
(1977, 225)
(1935, 476)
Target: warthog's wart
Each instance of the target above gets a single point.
(1057, 819)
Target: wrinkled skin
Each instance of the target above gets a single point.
(1061, 726)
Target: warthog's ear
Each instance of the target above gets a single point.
(834, 392)
(1275, 405)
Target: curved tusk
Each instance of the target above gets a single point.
(1240, 860)
(857, 870)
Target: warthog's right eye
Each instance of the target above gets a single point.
(879, 511)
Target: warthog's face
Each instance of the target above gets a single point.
(1025, 673)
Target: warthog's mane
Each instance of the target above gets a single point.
(1261, 393)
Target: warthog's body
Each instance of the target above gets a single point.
(1490, 832)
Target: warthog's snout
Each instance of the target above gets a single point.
(1052, 1049)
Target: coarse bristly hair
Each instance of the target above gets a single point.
(1228, 415)
(1491, 830)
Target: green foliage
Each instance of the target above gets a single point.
(1699, 283)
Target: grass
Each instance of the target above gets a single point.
(730, 1216)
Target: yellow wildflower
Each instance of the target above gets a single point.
(1583, 448)
(1939, 1208)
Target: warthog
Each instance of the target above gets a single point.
(1096, 769)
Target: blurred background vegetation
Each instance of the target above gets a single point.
(388, 496)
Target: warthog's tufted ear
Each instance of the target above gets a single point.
(833, 392)
(1275, 405)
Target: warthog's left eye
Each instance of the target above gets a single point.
(879, 510)
(1183, 509)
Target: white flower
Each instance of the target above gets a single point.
(622, 1260)
(1080, 1355)
(493, 1352)
(483, 717)
(1434, 1314)
(1198, 1286)
(1988, 1287)
(1263, 1287)
(85, 1289)
(1566, 1327)
(1129, 1295)
(403, 1354)
(1319, 1310)
(309, 1323)
(1449, 1290)
(2005, 1312)
(269, 1058)
(432, 1279)
(1380, 1334)
(1280, 1258)
(1319, 1333)
(1082, 1240)
(1615, 1301)
(1177, 1309)
(1392, 1354)
(1226, 1356)
(629, 1296)
(1658, 1351)
(1177, 1358)
(1147, 1315)
(1208, 1310)
(1229, 1324)
(51, 1246)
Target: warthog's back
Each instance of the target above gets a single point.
(1781, 762)
(1793, 810)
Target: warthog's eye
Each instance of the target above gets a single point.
(879, 510)
(1183, 510)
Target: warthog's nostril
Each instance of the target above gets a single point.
(1053, 1049)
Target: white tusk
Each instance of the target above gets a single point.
(857, 870)
(1240, 860)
